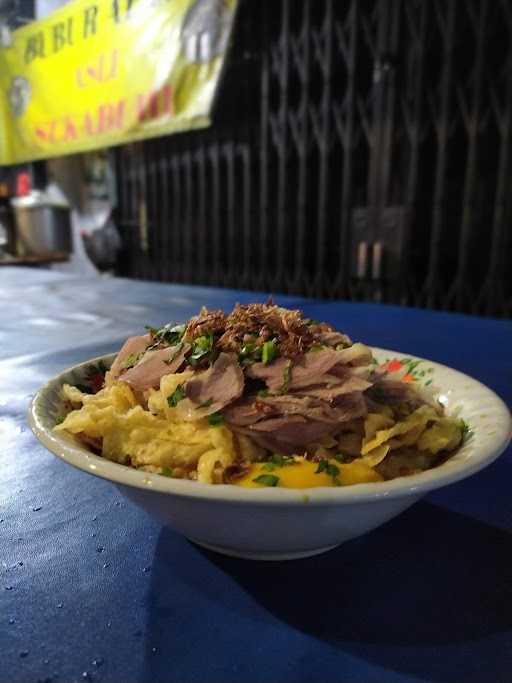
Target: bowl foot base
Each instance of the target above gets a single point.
(268, 555)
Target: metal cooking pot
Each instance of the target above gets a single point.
(42, 226)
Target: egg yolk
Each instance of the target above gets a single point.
(302, 474)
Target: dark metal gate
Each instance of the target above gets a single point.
(359, 150)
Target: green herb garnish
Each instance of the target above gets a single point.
(343, 458)
(170, 360)
(316, 348)
(250, 353)
(246, 352)
(286, 377)
(131, 360)
(205, 404)
(168, 334)
(281, 460)
(330, 469)
(167, 472)
(267, 480)
(269, 351)
(263, 393)
(177, 395)
(215, 419)
(278, 460)
(321, 466)
(201, 348)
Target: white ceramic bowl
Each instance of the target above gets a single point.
(274, 523)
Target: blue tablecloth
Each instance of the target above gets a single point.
(92, 589)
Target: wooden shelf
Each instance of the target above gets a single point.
(56, 257)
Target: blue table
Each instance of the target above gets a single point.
(92, 589)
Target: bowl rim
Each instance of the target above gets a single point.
(451, 471)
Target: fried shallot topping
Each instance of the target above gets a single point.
(255, 324)
(207, 322)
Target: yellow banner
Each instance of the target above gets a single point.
(96, 74)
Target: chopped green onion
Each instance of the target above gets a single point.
(252, 351)
(286, 377)
(177, 395)
(267, 480)
(168, 334)
(216, 419)
(278, 460)
(343, 458)
(332, 470)
(249, 354)
(269, 351)
(282, 460)
(170, 360)
(247, 349)
(256, 354)
(131, 360)
(167, 472)
(316, 348)
(329, 469)
(201, 347)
